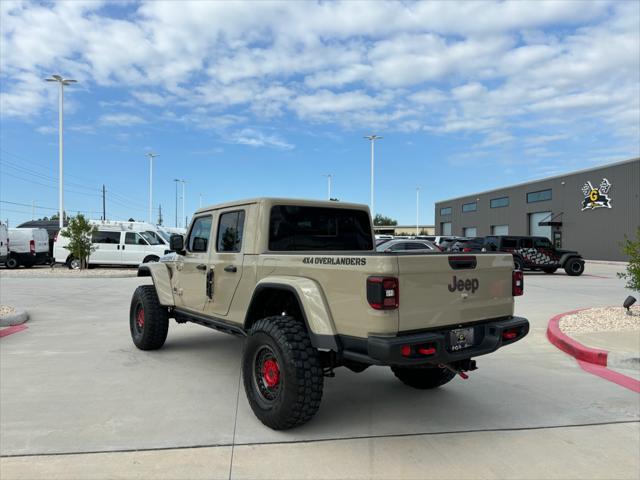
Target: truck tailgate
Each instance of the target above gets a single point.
(444, 290)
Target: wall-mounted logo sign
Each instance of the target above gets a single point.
(596, 197)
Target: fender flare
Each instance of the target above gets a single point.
(567, 256)
(159, 273)
(313, 305)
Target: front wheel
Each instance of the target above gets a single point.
(518, 264)
(282, 375)
(423, 378)
(148, 320)
(73, 263)
(574, 267)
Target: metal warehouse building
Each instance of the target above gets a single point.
(589, 211)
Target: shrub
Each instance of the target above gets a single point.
(79, 232)
(631, 248)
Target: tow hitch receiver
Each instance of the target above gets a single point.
(459, 368)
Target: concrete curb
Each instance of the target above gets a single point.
(594, 360)
(17, 318)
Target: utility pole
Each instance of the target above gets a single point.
(329, 178)
(372, 138)
(160, 214)
(176, 180)
(104, 203)
(417, 211)
(62, 82)
(33, 209)
(183, 202)
(151, 157)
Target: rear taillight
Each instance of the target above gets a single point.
(466, 249)
(518, 283)
(383, 293)
(32, 246)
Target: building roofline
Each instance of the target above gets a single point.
(613, 164)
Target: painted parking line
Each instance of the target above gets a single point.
(13, 329)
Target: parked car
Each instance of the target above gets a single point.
(4, 243)
(116, 243)
(536, 253)
(405, 245)
(27, 247)
(166, 232)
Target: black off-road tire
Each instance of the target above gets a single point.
(550, 271)
(423, 378)
(574, 267)
(11, 263)
(148, 320)
(298, 380)
(518, 264)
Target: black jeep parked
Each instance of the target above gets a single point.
(536, 253)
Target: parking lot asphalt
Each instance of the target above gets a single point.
(73, 383)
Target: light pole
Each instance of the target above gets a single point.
(151, 157)
(372, 139)
(176, 180)
(329, 178)
(417, 211)
(183, 202)
(62, 82)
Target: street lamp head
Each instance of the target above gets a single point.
(58, 78)
(372, 137)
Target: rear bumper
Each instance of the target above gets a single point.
(388, 350)
(39, 258)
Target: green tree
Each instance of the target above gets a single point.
(79, 232)
(631, 248)
(380, 219)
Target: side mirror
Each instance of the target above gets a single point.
(176, 243)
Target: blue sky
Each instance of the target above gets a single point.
(245, 99)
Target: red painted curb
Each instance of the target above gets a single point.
(571, 346)
(13, 329)
(592, 360)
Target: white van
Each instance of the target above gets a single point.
(27, 247)
(4, 243)
(116, 243)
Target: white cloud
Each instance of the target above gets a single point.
(256, 138)
(120, 120)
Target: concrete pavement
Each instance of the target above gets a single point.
(74, 383)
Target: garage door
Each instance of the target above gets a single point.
(445, 228)
(499, 229)
(535, 229)
(470, 232)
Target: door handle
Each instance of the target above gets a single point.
(231, 269)
(202, 267)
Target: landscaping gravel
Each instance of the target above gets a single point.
(6, 310)
(601, 319)
(46, 271)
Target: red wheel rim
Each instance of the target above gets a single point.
(270, 372)
(140, 318)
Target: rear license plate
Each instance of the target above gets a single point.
(461, 338)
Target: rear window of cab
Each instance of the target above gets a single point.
(301, 228)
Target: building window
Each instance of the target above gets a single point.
(499, 202)
(469, 207)
(445, 228)
(540, 196)
(470, 232)
(445, 211)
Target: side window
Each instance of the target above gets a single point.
(132, 238)
(199, 235)
(398, 247)
(509, 243)
(230, 230)
(526, 243)
(105, 237)
(542, 243)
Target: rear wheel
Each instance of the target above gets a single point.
(550, 270)
(73, 263)
(517, 263)
(423, 378)
(12, 262)
(574, 267)
(148, 320)
(282, 375)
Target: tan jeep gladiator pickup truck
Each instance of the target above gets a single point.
(301, 280)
